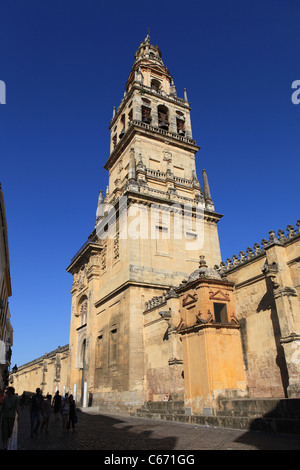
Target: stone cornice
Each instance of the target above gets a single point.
(153, 132)
(203, 280)
(88, 249)
(126, 285)
(131, 197)
(198, 326)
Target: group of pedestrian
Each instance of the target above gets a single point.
(67, 408)
(40, 412)
(64, 406)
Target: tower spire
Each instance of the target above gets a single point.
(206, 191)
(147, 39)
(147, 57)
(99, 212)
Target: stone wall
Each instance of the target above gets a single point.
(267, 283)
(49, 373)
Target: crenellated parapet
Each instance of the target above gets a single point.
(282, 238)
(159, 301)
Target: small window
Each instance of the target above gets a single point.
(191, 235)
(220, 311)
(162, 240)
(162, 231)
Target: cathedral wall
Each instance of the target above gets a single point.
(256, 311)
(112, 344)
(163, 359)
(119, 349)
(49, 373)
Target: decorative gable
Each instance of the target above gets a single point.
(219, 295)
(189, 299)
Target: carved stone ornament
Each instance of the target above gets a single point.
(189, 299)
(201, 319)
(233, 319)
(81, 278)
(180, 325)
(219, 295)
(167, 155)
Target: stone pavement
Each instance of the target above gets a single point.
(107, 432)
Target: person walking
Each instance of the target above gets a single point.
(47, 412)
(65, 409)
(36, 409)
(72, 413)
(57, 404)
(9, 412)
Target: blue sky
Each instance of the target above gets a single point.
(65, 65)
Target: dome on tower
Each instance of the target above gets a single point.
(148, 51)
(204, 272)
(148, 68)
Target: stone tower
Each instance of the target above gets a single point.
(151, 227)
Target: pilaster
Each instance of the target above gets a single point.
(287, 306)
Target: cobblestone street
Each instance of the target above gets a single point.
(108, 432)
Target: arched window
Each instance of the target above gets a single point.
(180, 126)
(146, 114)
(122, 126)
(130, 117)
(83, 311)
(163, 117)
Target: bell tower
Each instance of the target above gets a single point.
(152, 152)
(152, 224)
(152, 114)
